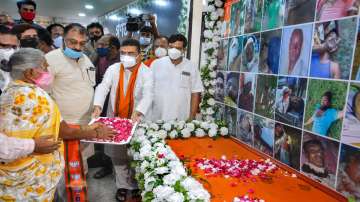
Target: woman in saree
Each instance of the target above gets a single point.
(28, 112)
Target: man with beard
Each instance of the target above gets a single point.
(324, 115)
(95, 31)
(315, 166)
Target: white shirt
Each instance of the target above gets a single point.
(143, 92)
(14, 148)
(4, 79)
(72, 87)
(173, 86)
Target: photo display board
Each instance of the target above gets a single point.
(288, 84)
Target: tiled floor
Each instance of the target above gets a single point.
(101, 190)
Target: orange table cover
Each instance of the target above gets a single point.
(280, 187)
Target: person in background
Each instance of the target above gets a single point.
(283, 145)
(45, 41)
(324, 115)
(315, 165)
(27, 34)
(219, 89)
(159, 49)
(130, 83)
(38, 116)
(27, 11)
(108, 50)
(6, 20)
(8, 44)
(95, 31)
(282, 105)
(349, 176)
(177, 84)
(296, 64)
(57, 32)
(246, 97)
(68, 65)
(250, 60)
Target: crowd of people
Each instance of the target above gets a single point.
(54, 80)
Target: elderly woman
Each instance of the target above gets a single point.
(28, 112)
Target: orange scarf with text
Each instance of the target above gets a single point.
(125, 103)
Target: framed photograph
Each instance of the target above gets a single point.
(355, 75)
(246, 98)
(220, 113)
(222, 55)
(230, 118)
(231, 89)
(265, 95)
(334, 9)
(264, 135)
(250, 56)
(253, 15)
(220, 87)
(273, 15)
(237, 19)
(244, 129)
(299, 11)
(235, 50)
(270, 52)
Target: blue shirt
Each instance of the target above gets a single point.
(322, 123)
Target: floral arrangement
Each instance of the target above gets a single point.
(160, 174)
(184, 18)
(123, 128)
(214, 12)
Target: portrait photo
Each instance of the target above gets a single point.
(299, 11)
(230, 118)
(333, 47)
(237, 19)
(250, 55)
(273, 14)
(231, 89)
(351, 127)
(270, 51)
(220, 112)
(265, 95)
(334, 9)
(287, 145)
(325, 105)
(244, 130)
(355, 74)
(348, 178)
(222, 54)
(253, 15)
(220, 87)
(295, 50)
(235, 56)
(290, 100)
(319, 158)
(264, 135)
(246, 98)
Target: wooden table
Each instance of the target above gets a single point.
(281, 186)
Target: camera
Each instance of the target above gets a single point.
(134, 24)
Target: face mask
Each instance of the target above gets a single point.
(44, 80)
(144, 41)
(29, 43)
(102, 52)
(71, 53)
(174, 53)
(160, 52)
(58, 41)
(128, 61)
(6, 53)
(28, 16)
(95, 38)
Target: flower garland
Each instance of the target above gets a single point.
(183, 18)
(160, 174)
(212, 34)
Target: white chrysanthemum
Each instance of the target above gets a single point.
(140, 131)
(144, 165)
(173, 134)
(190, 183)
(205, 125)
(199, 132)
(167, 126)
(220, 12)
(224, 131)
(171, 179)
(176, 197)
(210, 111)
(212, 133)
(210, 8)
(211, 91)
(180, 125)
(163, 192)
(162, 134)
(214, 16)
(161, 170)
(218, 3)
(211, 101)
(149, 183)
(190, 126)
(154, 126)
(200, 194)
(185, 133)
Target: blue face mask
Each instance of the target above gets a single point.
(102, 52)
(71, 53)
(144, 41)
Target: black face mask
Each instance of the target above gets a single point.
(29, 43)
(95, 38)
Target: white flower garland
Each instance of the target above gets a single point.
(159, 172)
(214, 11)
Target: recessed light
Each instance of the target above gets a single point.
(89, 7)
(161, 2)
(82, 14)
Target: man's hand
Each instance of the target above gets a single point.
(137, 117)
(45, 145)
(96, 112)
(103, 132)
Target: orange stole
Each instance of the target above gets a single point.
(149, 61)
(125, 103)
(75, 181)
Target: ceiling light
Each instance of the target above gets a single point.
(161, 2)
(135, 11)
(82, 14)
(115, 17)
(89, 7)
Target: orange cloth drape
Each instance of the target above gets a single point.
(149, 61)
(125, 103)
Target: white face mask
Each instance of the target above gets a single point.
(174, 53)
(160, 52)
(144, 41)
(58, 42)
(6, 53)
(128, 61)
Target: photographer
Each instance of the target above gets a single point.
(147, 33)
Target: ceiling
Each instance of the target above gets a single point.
(68, 10)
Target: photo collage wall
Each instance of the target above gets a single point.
(288, 84)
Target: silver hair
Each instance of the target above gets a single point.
(23, 59)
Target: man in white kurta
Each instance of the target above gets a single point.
(177, 84)
(143, 96)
